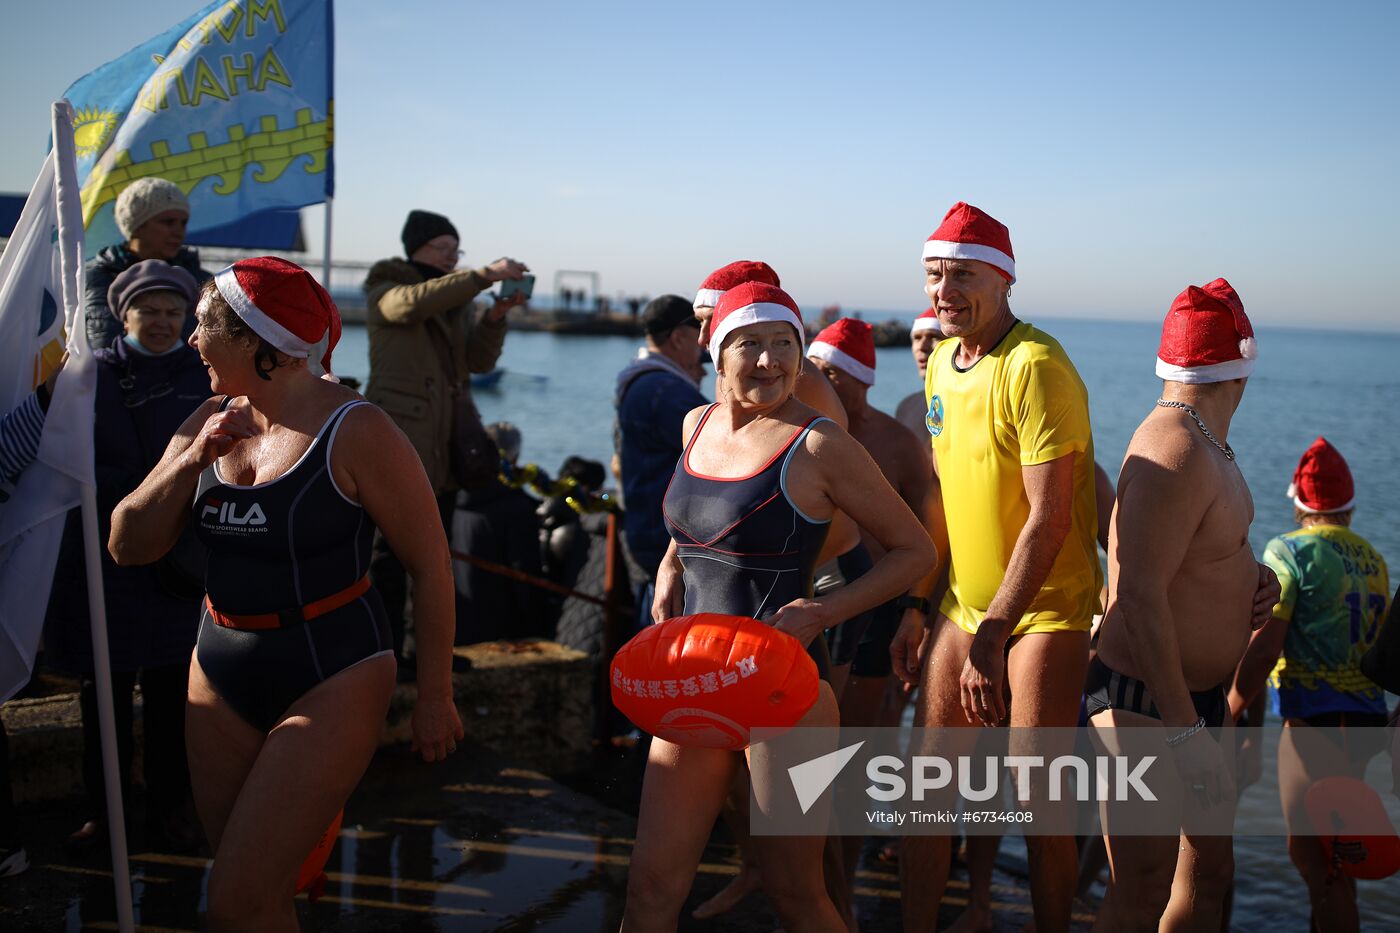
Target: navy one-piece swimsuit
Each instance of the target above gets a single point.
(746, 549)
(275, 547)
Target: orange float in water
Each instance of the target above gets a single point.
(311, 878)
(1355, 830)
(706, 680)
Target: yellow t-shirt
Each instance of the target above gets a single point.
(1020, 405)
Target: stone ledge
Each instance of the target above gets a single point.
(532, 701)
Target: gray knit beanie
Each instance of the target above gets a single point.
(145, 198)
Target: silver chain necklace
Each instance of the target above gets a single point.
(1224, 448)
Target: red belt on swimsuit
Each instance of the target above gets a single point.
(286, 617)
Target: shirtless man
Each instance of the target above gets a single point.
(923, 337)
(845, 354)
(1015, 513)
(843, 545)
(1182, 583)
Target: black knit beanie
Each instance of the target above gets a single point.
(423, 226)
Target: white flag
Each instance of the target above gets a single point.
(41, 278)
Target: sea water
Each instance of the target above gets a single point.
(1345, 386)
(559, 391)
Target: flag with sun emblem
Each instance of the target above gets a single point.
(48, 458)
(234, 105)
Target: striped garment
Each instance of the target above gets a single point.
(20, 431)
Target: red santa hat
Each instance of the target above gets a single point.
(752, 303)
(283, 304)
(1206, 337)
(736, 273)
(925, 322)
(849, 345)
(968, 232)
(1322, 482)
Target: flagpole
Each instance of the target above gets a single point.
(107, 723)
(70, 225)
(326, 248)
(313, 361)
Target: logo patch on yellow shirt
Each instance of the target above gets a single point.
(934, 419)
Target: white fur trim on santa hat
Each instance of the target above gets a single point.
(1304, 507)
(265, 327)
(1198, 375)
(708, 297)
(947, 249)
(758, 313)
(922, 324)
(1311, 511)
(842, 361)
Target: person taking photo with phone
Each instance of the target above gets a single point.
(425, 339)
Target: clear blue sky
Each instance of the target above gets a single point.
(1131, 148)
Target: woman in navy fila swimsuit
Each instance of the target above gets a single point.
(748, 511)
(286, 477)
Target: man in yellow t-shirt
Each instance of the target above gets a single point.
(1014, 518)
(1022, 406)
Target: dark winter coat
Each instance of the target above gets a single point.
(102, 325)
(141, 401)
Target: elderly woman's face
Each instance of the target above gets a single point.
(228, 359)
(760, 363)
(155, 319)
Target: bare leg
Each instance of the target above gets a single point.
(861, 705)
(222, 748)
(749, 878)
(1142, 867)
(924, 860)
(838, 883)
(793, 876)
(981, 857)
(303, 774)
(1092, 858)
(682, 794)
(1204, 869)
(1305, 756)
(840, 678)
(1046, 674)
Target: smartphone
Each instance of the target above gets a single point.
(524, 286)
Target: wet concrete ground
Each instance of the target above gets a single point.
(473, 844)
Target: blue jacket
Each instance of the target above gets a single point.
(132, 424)
(652, 400)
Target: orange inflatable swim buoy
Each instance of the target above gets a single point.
(1355, 830)
(311, 878)
(706, 680)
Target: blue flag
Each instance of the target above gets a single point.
(234, 105)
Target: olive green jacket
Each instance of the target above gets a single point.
(424, 341)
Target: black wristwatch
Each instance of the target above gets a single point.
(913, 602)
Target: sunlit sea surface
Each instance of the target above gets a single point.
(1345, 386)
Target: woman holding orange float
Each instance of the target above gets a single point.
(285, 477)
(748, 510)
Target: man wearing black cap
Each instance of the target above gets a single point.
(424, 342)
(654, 393)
